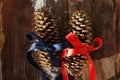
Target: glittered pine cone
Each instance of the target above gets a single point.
(81, 27)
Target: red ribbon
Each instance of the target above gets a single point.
(82, 49)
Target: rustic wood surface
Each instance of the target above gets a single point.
(16, 22)
(2, 39)
(0, 42)
(17, 19)
(117, 24)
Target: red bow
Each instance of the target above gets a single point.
(82, 49)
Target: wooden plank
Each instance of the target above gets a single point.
(16, 22)
(102, 14)
(2, 38)
(117, 25)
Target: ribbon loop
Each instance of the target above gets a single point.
(99, 44)
(33, 37)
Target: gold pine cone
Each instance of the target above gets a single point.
(44, 24)
(80, 23)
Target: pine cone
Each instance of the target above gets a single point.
(43, 61)
(44, 25)
(81, 27)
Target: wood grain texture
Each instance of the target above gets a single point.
(102, 14)
(16, 22)
(117, 25)
(0, 40)
(0, 65)
(60, 12)
(17, 15)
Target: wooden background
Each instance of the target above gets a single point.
(17, 15)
